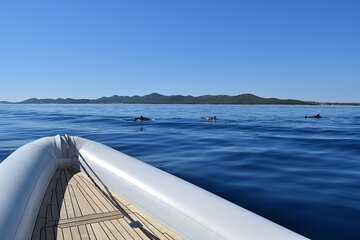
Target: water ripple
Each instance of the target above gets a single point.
(301, 173)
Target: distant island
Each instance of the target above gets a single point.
(156, 98)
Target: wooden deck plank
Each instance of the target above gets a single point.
(50, 234)
(55, 209)
(103, 202)
(73, 198)
(83, 199)
(83, 232)
(168, 237)
(73, 208)
(109, 233)
(68, 205)
(42, 234)
(90, 232)
(89, 199)
(139, 231)
(120, 231)
(60, 190)
(67, 201)
(49, 212)
(40, 222)
(132, 231)
(99, 232)
(74, 202)
(92, 198)
(147, 225)
(59, 234)
(67, 233)
(108, 204)
(75, 233)
(84, 205)
(47, 197)
(88, 219)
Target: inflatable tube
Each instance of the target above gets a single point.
(186, 209)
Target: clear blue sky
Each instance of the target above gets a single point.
(304, 49)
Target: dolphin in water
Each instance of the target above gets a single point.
(140, 119)
(313, 116)
(209, 118)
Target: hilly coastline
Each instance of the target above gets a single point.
(156, 98)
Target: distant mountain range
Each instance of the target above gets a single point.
(156, 98)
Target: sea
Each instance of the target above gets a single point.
(301, 173)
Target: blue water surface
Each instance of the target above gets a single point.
(301, 173)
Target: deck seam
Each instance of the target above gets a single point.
(69, 188)
(123, 227)
(63, 188)
(105, 226)
(94, 216)
(90, 228)
(117, 230)
(85, 188)
(103, 230)
(77, 202)
(91, 203)
(87, 183)
(88, 219)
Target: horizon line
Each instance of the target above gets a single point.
(187, 95)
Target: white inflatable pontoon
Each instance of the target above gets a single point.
(72, 188)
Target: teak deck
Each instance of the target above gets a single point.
(73, 208)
